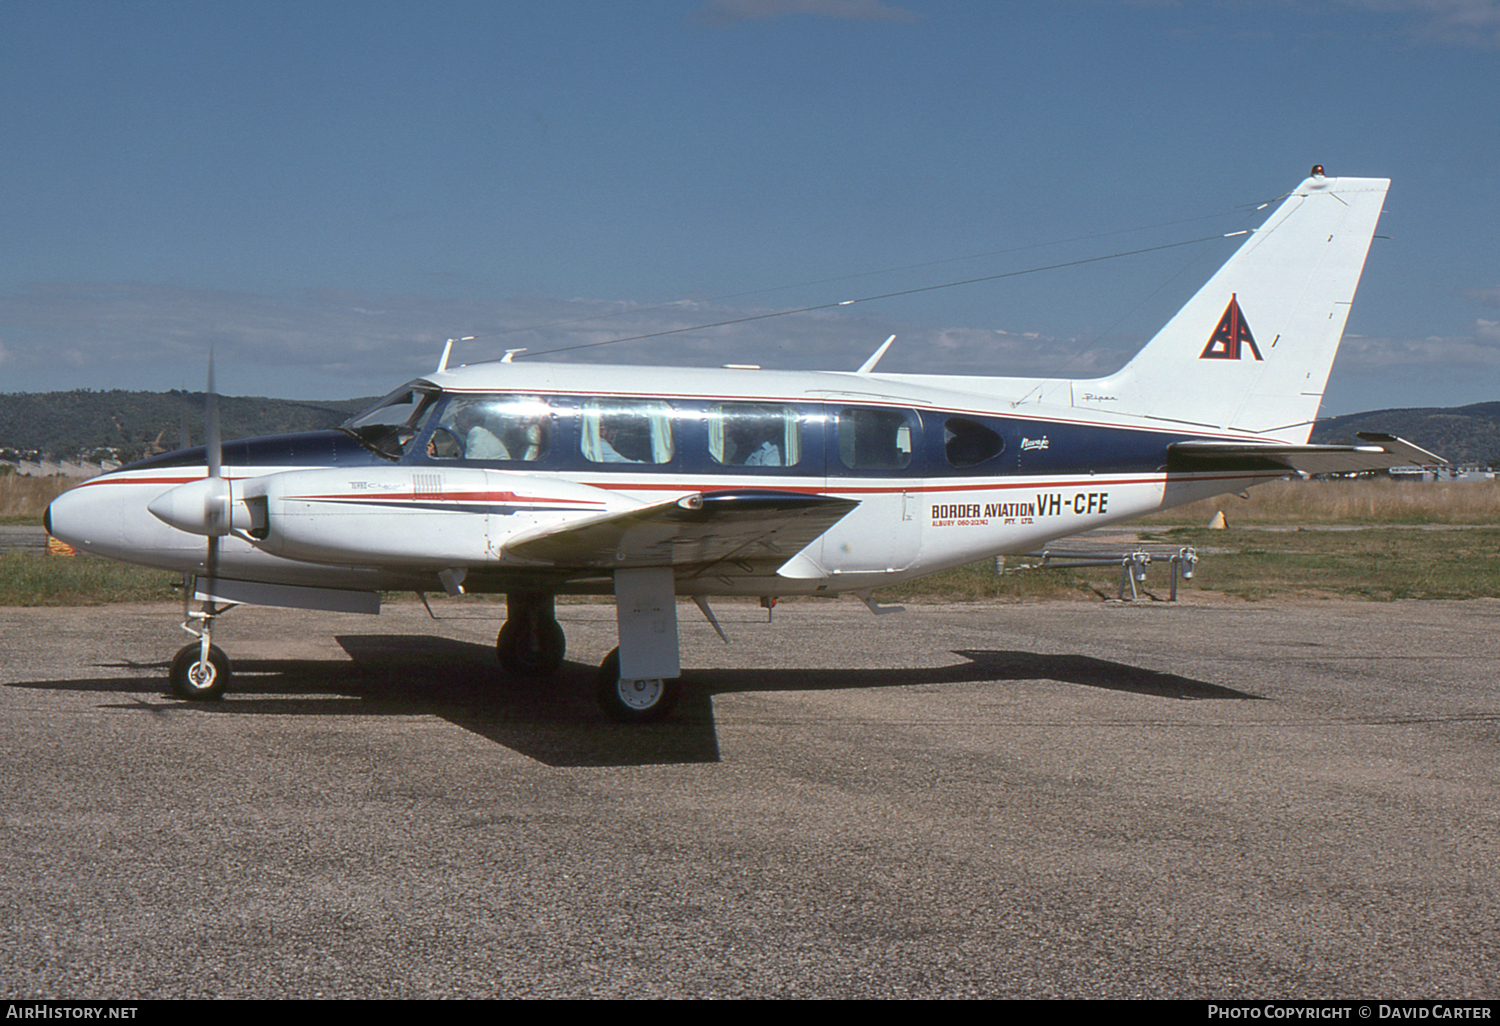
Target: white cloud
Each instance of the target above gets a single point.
(1465, 23)
(1006, 354)
(338, 344)
(1480, 348)
(334, 344)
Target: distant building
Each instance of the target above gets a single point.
(65, 468)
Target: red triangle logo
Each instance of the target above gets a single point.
(1232, 333)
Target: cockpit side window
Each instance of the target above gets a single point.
(388, 427)
(516, 428)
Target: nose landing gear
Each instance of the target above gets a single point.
(200, 671)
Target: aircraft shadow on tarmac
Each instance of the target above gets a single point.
(556, 721)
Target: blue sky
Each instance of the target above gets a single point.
(328, 191)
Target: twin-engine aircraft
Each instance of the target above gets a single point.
(535, 480)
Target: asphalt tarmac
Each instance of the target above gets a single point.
(1208, 800)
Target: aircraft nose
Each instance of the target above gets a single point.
(78, 517)
(57, 517)
(107, 517)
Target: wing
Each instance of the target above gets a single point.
(1384, 452)
(738, 531)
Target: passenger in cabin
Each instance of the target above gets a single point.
(508, 428)
(480, 443)
(607, 452)
(526, 437)
(626, 431)
(751, 435)
(753, 443)
(767, 454)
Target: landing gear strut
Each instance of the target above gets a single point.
(646, 613)
(531, 643)
(200, 671)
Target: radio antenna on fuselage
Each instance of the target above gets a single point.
(448, 348)
(869, 364)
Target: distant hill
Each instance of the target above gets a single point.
(1462, 434)
(88, 425)
(91, 425)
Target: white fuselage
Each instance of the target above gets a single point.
(943, 476)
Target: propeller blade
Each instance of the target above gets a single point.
(214, 442)
(204, 506)
(214, 446)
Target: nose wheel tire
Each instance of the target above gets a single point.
(198, 681)
(633, 701)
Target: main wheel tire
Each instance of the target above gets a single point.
(633, 701)
(197, 681)
(525, 653)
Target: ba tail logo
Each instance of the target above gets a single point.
(1232, 333)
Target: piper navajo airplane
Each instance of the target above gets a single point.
(535, 480)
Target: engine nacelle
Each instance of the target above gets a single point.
(417, 517)
(205, 507)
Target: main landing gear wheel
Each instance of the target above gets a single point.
(531, 649)
(633, 701)
(195, 680)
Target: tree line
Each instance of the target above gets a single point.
(92, 425)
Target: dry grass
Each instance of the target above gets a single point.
(1362, 501)
(1375, 563)
(978, 582)
(23, 498)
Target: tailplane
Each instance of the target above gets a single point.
(1252, 350)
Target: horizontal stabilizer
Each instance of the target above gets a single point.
(1384, 452)
(744, 529)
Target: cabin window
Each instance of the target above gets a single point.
(512, 428)
(967, 443)
(753, 435)
(627, 431)
(874, 439)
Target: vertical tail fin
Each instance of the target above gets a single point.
(1252, 350)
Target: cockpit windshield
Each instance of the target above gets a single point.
(388, 427)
